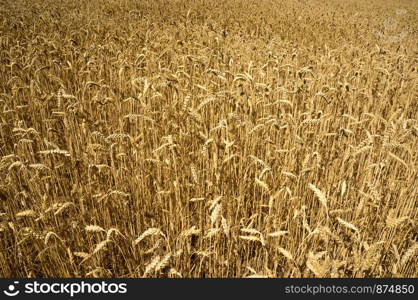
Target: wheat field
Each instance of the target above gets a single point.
(208, 138)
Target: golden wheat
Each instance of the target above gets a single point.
(208, 138)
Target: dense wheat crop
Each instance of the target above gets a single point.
(208, 138)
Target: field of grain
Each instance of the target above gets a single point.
(208, 138)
